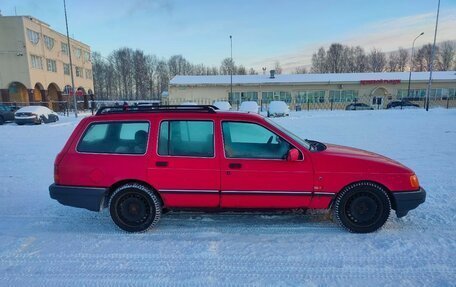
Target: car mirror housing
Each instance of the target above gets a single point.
(293, 155)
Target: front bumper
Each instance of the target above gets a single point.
(407, 200)
(91, 198)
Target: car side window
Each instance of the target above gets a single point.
(186, 138)
(249, 140)
(115, 137)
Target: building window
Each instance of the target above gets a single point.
(77, 52)
(347, 96)
(66, 69)
(267, 97)
(87, 56)
(51, 65)
(49, 42)
(64, 48)
(37, 62)
(415, 94)
(79, 72)
(88, 74)
(33, 36)
(303, 97)
(242, 96)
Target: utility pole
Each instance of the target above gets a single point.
(71, 63)
(432, 59)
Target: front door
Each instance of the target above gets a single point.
(377, 102)
(186, 170)
(255, 172)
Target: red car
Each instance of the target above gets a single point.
(142, 160)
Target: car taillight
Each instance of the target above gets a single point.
(414, 181)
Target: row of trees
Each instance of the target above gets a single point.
(132, 75)
(345, 59)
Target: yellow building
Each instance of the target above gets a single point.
(35, 63)
(316, 91)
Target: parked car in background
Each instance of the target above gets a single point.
(278, 109)
(402, 105)
(358, 106)
(35, 115)
(6, 114)
(188, 104)
(138, 162)
(249, 107)
(223, 105)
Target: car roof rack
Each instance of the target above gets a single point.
(155, 109)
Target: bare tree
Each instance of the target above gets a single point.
(393, 62)
(241, 70)
(227, 66)
(403, 57)
(140, 74)
(334, 58)
(252, 72)
(319, 61)
(447, 54)
(423, 58)
(376, 60)
(360, 60)
(277, 68)
(300, 70)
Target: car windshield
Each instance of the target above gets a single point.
(290, 134)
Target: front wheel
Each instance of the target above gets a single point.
(362, 207)
(135, 208)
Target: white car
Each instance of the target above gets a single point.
(278, 109)
(35, 115)
(188, 104)
(222, 105)
(249, 107)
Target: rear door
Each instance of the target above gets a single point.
(255, 172)
(185, 169)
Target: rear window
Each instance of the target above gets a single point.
(115, 137)
(186, 138)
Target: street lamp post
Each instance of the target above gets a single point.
(411, 64)
(432, 59)
(71, 63)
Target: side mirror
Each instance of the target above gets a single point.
(293, 155)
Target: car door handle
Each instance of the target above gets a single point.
(161, 163)
(235, 165)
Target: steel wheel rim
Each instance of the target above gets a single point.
(133, 209)
(364, 209)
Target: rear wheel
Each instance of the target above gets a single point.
(135, 208)
(362, 207)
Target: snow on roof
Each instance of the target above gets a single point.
(310, 78)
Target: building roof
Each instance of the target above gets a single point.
(309, 78)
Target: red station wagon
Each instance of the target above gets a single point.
(139, 161)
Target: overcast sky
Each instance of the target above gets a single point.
(263, 31)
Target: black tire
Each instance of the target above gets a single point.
(135, 208)
(362, 207)
(2, 121)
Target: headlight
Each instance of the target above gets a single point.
(414, 181)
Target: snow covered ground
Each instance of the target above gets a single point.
(45, 243)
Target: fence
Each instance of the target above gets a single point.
(324, 104)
